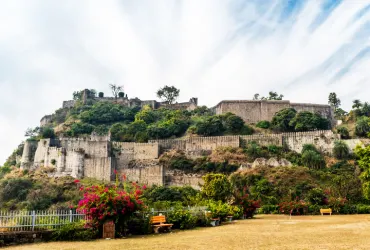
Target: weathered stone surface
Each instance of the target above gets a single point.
(253, 111)
(285, 163)
(273, 162)
(259, 162)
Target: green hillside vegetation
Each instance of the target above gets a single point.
(340, 180)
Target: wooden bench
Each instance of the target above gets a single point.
(325, 211)
(160, 222)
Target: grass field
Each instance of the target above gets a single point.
(263, 232)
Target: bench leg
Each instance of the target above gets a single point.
(156, 230)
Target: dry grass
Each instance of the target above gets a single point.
(264, 232)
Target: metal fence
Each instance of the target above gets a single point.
(37, 220)
(49, 220)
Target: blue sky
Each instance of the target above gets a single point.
(210, 49)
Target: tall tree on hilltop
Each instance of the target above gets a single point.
(272, 96)
(168, 94)
(357, 104)
(256, 96)
(334, 101)
(115, 90)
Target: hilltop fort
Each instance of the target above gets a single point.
(99, 157)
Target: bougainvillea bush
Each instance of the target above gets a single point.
(103, 203)
(249, 205)
(296, 207)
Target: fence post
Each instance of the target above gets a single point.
(70, 216)
(33, 220)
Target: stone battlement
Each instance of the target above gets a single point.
(253, 111)
(100, 159)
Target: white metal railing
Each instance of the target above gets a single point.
(37, 220)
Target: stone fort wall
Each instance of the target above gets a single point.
(254, 111)
(97, 157)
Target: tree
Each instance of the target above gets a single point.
(366, 109)
(334, 101)
(256, 96)
(273, 96)
(281, 120)
(340, 113)
(234, 123)
(216, 187)
(209, 126)
(356, 104)
(307, 121)
(343, 131)
(363, 155)
(313, 159)
(340, 150)
(115, 89)
(362, 126)
(168, 93)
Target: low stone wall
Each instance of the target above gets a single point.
(178, 178)
(148, 172)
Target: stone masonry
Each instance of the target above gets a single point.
(253, 111)
(98, 157)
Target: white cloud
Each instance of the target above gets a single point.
(210, 49)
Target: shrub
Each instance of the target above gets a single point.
(269, 209)
(312, 159)
(234, 123)
(316, 196)
(216, 187)
(309, 147)
(53, 161)
(363, 209)
(121, 94)
(101, 94)
(138, 224)
(219, 209)
(182, 219)
(341, 150)
(343, 131)
(46, 132)
(263, 124)
(17, 188)
(249, 206)
(211, 125)
(307, 121)
(254, 150)
(246, 130)
(297, 207)
(362, 126)
(314, 209)
(281, 120)
(103, 203)
(74, 232)
(80, 129)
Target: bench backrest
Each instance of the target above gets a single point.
(325, 210)
(158, 219)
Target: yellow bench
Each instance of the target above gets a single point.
(160, 222)
(325, 211)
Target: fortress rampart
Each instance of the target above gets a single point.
(253, 111)
(98, 157)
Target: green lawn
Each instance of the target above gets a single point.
(263, 232)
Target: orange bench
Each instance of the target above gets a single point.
(160, 222)
(325, 211)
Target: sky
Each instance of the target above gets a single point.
(211, 49)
